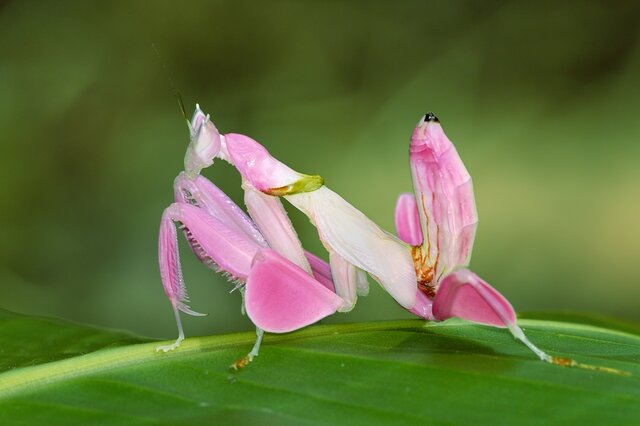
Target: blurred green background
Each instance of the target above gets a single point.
(541, 99)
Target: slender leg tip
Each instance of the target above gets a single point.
(171, 347)
(166, 348)
(241, 363)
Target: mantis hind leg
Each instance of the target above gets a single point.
(215, 244)
(246, 360)
(174, 345)
(256, 346)
(464, 295)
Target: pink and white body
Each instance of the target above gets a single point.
(285, 288)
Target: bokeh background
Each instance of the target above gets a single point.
(541, 98)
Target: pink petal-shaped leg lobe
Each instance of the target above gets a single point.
(407, 220)
(281, 297)
(464, 295)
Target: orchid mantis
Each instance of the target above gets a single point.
(285, 288)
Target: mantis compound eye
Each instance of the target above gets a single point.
(429, 117)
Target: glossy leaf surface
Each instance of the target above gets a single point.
(404, 372)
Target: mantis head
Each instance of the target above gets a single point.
(204, 144)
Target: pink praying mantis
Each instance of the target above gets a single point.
(284, 287)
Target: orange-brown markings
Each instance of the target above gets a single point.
(568, 362)
(241, 363)
(424, 272)
(563, 362)
(279, 191)
(424, 266)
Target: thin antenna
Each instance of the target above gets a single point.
(181, 103)
(175, 90)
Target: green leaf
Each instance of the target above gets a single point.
(404, 372)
